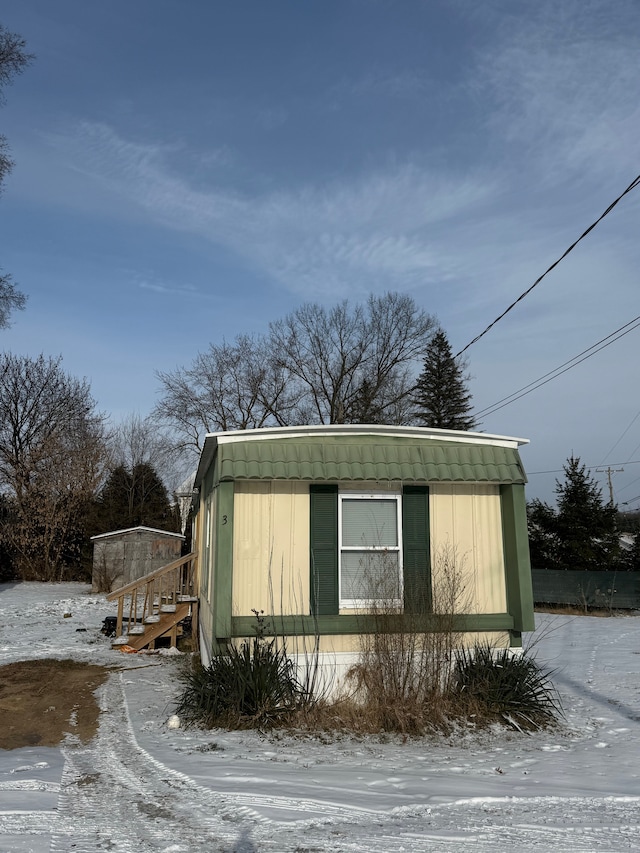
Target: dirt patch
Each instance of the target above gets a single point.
(43, 700)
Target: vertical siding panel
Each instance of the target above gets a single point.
(492, 596)
(465, 546)
(467, 519)
(271, 547)
(250, 547)
(290, 558)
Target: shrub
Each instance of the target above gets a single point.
(403, 675)
(250, 685)
(504, 687)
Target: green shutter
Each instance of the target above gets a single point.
(415, 549)
(516, 557)
(324, 550)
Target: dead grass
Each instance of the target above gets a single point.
(571, 610)
(43, 700)
(407, 718)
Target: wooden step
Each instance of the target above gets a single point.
(166, 623)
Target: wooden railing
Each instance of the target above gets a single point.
(158, 592)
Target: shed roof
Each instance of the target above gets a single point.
(407, 454)
(139, 529)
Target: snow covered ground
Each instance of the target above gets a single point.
(142, 786)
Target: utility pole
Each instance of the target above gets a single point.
(609, 471)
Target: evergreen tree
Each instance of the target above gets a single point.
(130, 498)
(586, 525)
(441, 395)
(543, 535)
(581, 533)
(632, 557)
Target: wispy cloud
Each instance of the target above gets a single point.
(371, 232)
(161, 288)
(566, 88)
(559, 91)
(403, 84)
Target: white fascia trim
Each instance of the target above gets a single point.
(424, 433)
(137, 530)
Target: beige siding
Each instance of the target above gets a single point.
(466, 529)
(205, 571)
(205, 620)
(196, 545)
(343, 643)
(206, 544)
(368, 486)
(495, 639)
(271, 547)
(352, 643)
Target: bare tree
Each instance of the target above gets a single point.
(231, 386)
(347, 364)
(52, 457)
(11, 299)
(354, 364)
(13, 60)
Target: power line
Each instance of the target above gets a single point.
(633, 500)
(631, 186)
(636, 448)
(628, 486)
(587, 468)
(633, 420)
(603, 343)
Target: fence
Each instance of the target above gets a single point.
(610, 590)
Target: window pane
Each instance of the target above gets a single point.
(369, 523)
(368, 575)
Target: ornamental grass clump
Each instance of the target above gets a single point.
(253, 685)
(499, 686)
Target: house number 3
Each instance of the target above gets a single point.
(224, 519)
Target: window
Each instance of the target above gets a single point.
(355, 534)
(370, 548)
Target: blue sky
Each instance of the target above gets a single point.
(188, 171)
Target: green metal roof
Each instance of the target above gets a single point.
(344, 458)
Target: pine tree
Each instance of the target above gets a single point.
(441, 395)
(586, 526)
(543, 535)
(581, 533)
(130, 498)
(632, 558)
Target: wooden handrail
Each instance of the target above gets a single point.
(167, 586)
(151, 576)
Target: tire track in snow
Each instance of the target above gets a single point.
(113, 784)
(116, 796)
(226, 819)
